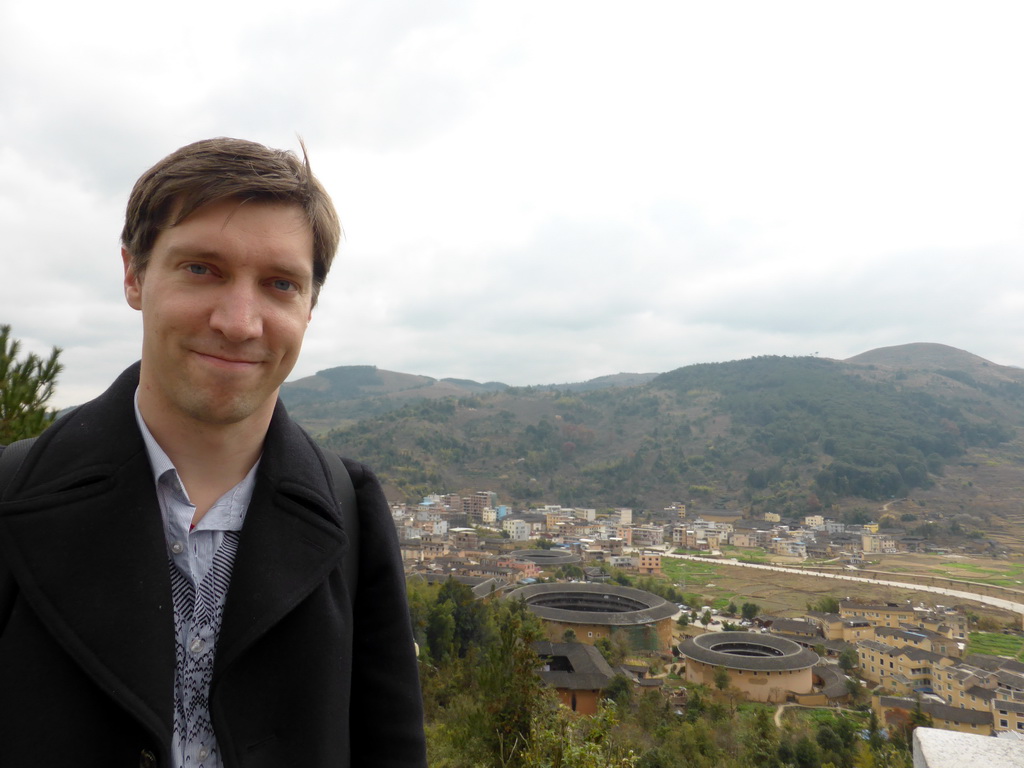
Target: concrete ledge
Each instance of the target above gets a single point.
(935, 748)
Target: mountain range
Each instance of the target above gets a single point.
(927, 423)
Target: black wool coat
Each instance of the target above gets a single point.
(302, 677)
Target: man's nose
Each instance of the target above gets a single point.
(237, 313)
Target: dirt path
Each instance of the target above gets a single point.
(778, 715)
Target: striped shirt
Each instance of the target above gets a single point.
(200, 560)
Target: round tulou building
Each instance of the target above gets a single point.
(763, 667)
(595, 611)
(548, 558)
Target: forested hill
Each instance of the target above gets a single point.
(769, 433)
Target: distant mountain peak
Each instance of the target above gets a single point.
(919, 355)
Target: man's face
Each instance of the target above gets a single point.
(225, 301)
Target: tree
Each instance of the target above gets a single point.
(615, 649)
(25, 388)
(559, 738)
(806, 753)
(848, 659)
(918, 718)
(706, 618)
(571, 572)
(825, 605)
(509, 687)
(619, 690)
(761, 747)
(749, 611)
(875, 737)
(440, 631)
(855, 689)
(722, 678)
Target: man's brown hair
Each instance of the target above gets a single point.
(216, 169)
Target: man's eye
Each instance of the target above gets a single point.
(284, 285)
(198, 269)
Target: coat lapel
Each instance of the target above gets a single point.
(83, 539)
(292, 538)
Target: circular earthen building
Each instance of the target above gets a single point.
(763, 667)
(595, 611)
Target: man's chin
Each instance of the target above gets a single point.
(226, 412)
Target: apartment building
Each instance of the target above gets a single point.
(648, 535)
(517, 529)
(901, 670)
(650, 563)
(916, 637)
(888, 614)
(1008, 716)
(876, 543)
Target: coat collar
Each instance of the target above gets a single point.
(80, 530)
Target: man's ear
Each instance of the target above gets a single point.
(132, 281)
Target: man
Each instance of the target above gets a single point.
(173, 588)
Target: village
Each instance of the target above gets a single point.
(901, 658)
(442, 526)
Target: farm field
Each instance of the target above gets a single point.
(785, 594)
(983, 570)
(996, 644)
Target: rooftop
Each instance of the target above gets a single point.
(594, 604)
(935, 748)
(748, 651)
(573, 666)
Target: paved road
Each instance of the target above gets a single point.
(995, 602)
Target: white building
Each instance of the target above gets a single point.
(518, 530)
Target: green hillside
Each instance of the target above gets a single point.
(792, 435)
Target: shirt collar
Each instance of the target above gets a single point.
(159, 461)
(227, 514)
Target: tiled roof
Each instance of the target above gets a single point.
(876, 645)
(586, 603)
(833, 680)
(795, 627)
(588, 669)
(984, 661)
(919, 654)
(984, 694)
(1010, 680)
(743, 651)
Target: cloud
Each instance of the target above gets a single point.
(544, 192)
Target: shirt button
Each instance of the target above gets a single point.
(177, 547)
(203, 753)
(197, 645)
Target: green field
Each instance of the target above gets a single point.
(688, 572)
(747, 554)
(996, 644)
(997, 574)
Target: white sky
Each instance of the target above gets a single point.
(543, 192)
